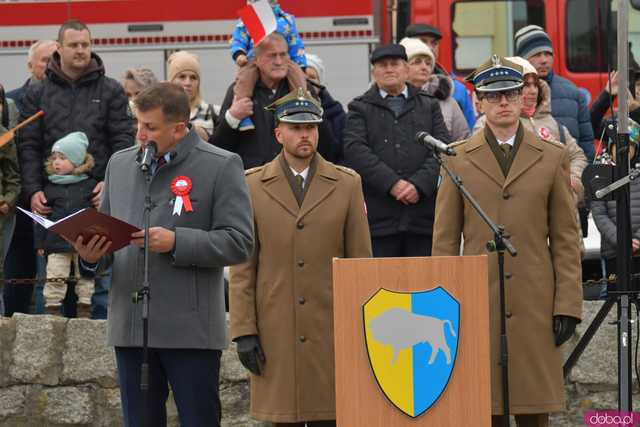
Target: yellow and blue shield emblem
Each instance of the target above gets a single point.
(412, 342)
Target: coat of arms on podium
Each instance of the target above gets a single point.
(412, 342)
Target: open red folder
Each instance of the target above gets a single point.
(87, 223)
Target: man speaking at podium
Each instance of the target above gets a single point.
(195, 230)
(522, 183)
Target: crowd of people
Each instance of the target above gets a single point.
(321, 182)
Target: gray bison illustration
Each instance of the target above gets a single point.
(401, 329)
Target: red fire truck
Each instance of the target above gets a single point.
(133, 33)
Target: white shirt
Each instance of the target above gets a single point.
(304, 175)
(404, 93)
(509, 141)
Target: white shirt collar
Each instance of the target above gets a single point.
(404, 93)
(509, 141)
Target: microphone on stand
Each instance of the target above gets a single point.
(435, 144)
(148, 153)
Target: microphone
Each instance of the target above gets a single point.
(149, 152)
(425, 139)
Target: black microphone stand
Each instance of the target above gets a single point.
(626, 293)
(499, 244)
(143, 295)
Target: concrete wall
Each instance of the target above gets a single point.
(58, 372)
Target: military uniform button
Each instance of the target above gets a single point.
(508, 275)
(300, 263)
(508, 315)
(300, 225)
(506, 195)
(301, 300)
(302, 338)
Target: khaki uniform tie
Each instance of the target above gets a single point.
(300, 181)
(506, 149)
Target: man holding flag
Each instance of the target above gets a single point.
(245, 127)
(257, 20)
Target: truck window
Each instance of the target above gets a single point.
(481, 28)
(591, 35)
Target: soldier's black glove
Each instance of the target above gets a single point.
(250, 353)
(563, 328)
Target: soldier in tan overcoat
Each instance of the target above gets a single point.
(526, 188)
(307, 211)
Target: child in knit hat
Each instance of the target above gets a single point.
(68, 190)
(242, 52)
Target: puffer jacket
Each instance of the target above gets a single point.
(382, 149)
(547, 127)
(604, 215)
(571, 112)
(93, 104)
(441, 87)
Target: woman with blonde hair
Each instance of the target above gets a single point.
(184, 70)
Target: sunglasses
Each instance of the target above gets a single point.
(494, 97)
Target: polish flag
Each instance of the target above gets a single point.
(259, 19)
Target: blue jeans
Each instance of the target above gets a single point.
(100, 298)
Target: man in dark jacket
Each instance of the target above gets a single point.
(39, 54)
(75, 96)
(259, 146)
(399, 175)
(534, 45)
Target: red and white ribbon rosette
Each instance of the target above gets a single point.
(181, 187)
(545, 133)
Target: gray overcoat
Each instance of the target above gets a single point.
(187, 295)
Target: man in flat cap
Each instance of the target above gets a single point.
(399, 175)
(306, 212)
(522, 182)
(431, 36)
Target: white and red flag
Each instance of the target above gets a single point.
(259, 19)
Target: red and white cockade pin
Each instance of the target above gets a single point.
(181, 186)
(544, 133)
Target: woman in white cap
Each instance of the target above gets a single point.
(421, 65)
(333, 111)
(184, 69)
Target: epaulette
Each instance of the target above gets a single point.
(253, 170)
(553, 142)
(346, 170)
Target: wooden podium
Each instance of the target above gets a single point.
(360, 400)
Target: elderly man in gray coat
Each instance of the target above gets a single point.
(201, 221)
